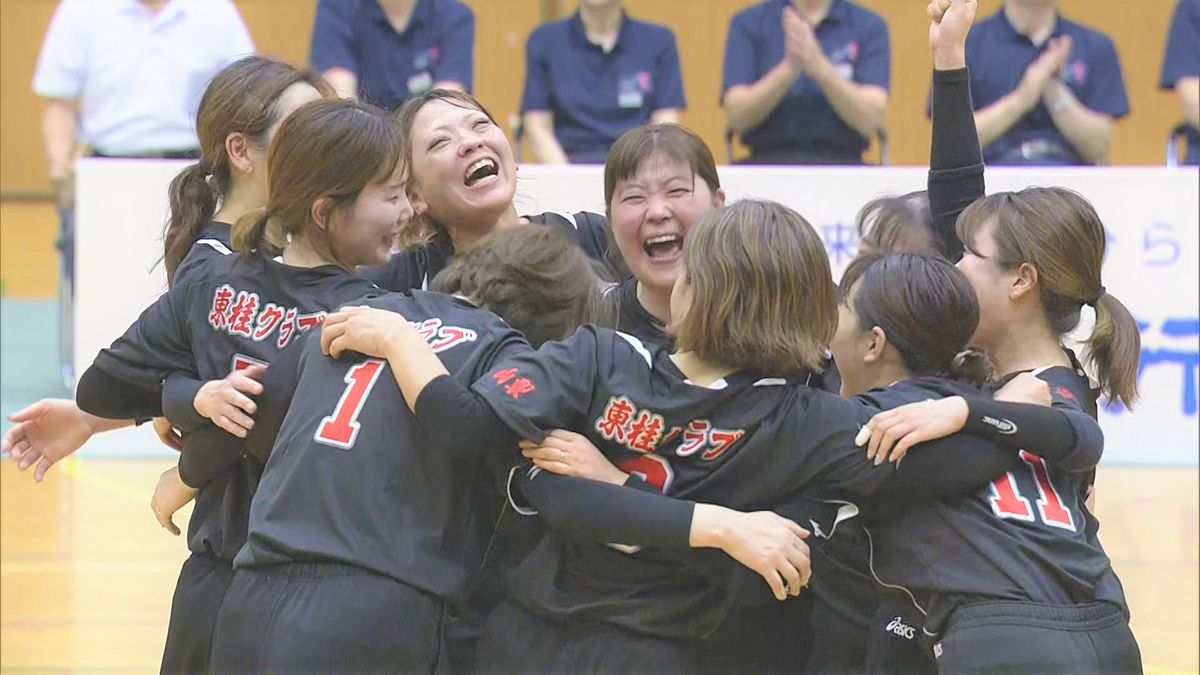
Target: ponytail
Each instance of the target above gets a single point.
(256, 233)
(973, 366)
(193, 202)
(1114, 349)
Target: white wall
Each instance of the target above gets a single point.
(1152, 265)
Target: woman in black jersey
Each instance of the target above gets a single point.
(240, 111)
(658, 180)
(463, 186)
(1035, 574)
(582, 606)
(336, 195)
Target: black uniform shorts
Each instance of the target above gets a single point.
(325, 618)
(1026, 637)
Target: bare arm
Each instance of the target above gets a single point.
(665, 116)
(747, 105)
(58, 135)
(994, 120)
(343, 81)
(991, 122)
(862, 106)
(539, 129)
(1188, 90)
(1089, 131)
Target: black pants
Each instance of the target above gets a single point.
(198, 594)
(894, 640)
(1022, 637)
(760, 640)
(325, 618)
(518, 641)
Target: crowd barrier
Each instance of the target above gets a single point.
(1152, 216)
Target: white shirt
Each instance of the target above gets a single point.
(138, 75)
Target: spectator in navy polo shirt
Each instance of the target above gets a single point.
(1046, 90)
(806, 81)
(593, 76)
(1181, 70)
(386, 51)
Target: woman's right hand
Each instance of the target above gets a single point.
(950, 21)
(765, 542)
(226, 403)
(46, 432)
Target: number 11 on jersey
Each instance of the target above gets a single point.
(1007, 502)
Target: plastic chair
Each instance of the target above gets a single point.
(1173, 138)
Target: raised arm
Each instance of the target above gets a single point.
(955, 158)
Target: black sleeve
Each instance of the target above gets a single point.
(207, 452)
(103, 395)
(178, 402)
(947, 467)
(536, 392)
(602, 512)
(447, 409)
(1069, 439)
(955, 159)
(401, 274)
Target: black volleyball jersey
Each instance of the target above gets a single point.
(226, 313)
(212, 243)
(352, 478)
(1027, 536)
(417, 267)
(747, 441)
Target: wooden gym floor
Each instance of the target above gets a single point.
(86, 574)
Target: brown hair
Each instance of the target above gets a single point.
(242, 97)
(1058, 232)
(762, 293)
(422, 228)
(925, 306)
(884, 222)
(535, 278)
(673, 141)
(325, 149)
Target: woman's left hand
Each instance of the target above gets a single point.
(890, 434)
(570, 454)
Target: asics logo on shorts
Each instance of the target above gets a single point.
(898, 627)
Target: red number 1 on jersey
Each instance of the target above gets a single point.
(341, 427)
(1007, 501)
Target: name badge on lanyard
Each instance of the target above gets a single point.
(631, 89)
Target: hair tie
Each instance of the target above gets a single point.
(1094, 301)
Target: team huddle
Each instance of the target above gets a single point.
(660, 439)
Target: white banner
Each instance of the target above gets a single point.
(1152, 215)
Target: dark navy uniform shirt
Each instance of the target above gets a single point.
(352, 479)
(225, 314)
(596, 96)
(855, 39)
(1027, 536)
(998, 56)
(213, 242)
(437, 45)
(1182, 59)
(417, 267)
(746, 441)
